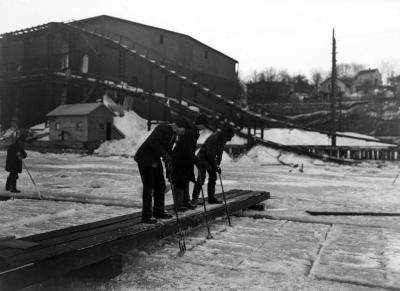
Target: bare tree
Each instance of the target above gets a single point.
(350, 70)
(283, 76)
(270, 74)
(388, 69)
(253, 76)
(316, 78)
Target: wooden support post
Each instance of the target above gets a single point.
(214, 110)
(167, 114)
(248, 135)
(262, 131)
(180, 96)
(150, 98)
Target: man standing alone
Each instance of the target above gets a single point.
(15, 154)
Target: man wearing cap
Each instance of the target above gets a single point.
(157, 145)
(209, 160)
(15, 154)
(183, 161)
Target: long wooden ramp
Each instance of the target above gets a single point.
(33, 259)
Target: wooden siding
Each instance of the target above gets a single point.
(68, 124)
(100, 116)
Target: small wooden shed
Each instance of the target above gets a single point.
(84, 122)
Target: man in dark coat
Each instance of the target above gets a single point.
(15, 154)
(157, 145)
(209, 158)
(183, 161)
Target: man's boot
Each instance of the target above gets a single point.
(195, 194)
(14, 189)
(211, 194)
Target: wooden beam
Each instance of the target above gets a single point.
(89, 250)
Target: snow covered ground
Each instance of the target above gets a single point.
(285, 249)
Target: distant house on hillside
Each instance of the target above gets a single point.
(342, 88)
(84, 122)
(263, 92)
(367, 80)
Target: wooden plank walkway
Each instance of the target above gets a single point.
(58, 252)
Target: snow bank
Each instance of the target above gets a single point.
(288, 136)
(266, 155)
(135, 130)
(236, 140)
(262, 154)
(9, 133)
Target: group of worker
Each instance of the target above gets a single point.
(175, 144)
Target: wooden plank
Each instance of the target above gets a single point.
(64, 236)
(81, 240)
(116, 242)
(353, 213)
(18, 244)
(45, 238)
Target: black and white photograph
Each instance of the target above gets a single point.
(199, 145)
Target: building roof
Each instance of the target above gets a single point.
(75, 109)
(337, 80)
(367, 71)
(157, 28)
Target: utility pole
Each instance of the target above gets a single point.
(333, 90)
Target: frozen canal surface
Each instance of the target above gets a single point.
(283, 249)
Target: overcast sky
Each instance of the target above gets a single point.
(295, 35)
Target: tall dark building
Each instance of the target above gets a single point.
(57, 63)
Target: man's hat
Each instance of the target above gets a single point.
(228, 131)
(201, 119)
(182, 122)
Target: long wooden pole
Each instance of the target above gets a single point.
(333, 90)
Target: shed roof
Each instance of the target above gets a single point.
(75, 109)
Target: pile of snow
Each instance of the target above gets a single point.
(294, 137)
(236, 140)
(135, 130)
(270, 156)
(9, 133)
(41, 131)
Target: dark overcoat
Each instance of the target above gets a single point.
(184, 158)
(157, 144)
(212, 149)
(13, 161)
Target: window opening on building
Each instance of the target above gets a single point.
(161, 39)
(206, 54)
(85, 64)
(64, 62)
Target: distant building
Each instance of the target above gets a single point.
(367, 80)
(85, 122)
(263, 92)
(341, 88)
